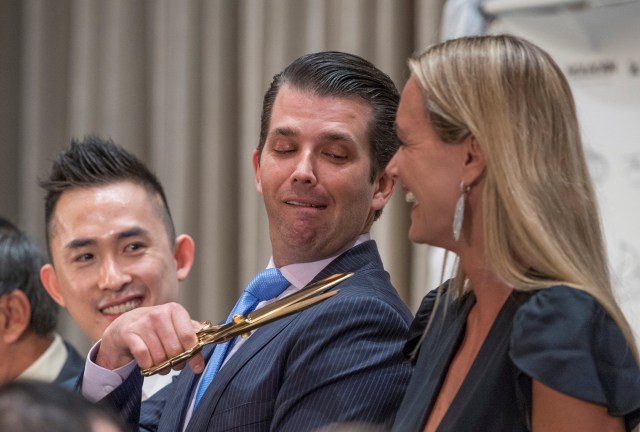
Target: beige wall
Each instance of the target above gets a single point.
(180, 83)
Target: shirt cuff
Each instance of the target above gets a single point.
(98, 382)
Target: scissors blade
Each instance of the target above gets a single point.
(240, 325)
(308, 291)
(279, 308)
(282, 312)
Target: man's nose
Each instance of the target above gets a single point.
(305, 169)
(112, 276)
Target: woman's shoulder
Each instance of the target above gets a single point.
(564, 338)
(558, 305)
(436, 301)
(561, 315)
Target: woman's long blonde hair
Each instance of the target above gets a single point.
(541, 220)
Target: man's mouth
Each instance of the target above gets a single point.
(121, 308)
(304, 204)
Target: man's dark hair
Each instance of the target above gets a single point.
(95, 162)
(20, 263)
(338, 74)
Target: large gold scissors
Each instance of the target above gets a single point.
(242, 326)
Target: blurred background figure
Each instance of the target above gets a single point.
(35, 406)
(29, 346)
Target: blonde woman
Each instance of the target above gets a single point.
(527, 335)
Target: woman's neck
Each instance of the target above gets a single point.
(490, 292)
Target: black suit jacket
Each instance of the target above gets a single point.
(338, 361)
(72, 368)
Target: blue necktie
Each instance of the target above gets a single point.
(266, 285)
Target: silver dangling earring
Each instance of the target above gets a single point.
(458, 216)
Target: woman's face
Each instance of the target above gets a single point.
(429, 169)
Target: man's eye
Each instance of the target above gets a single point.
(84, 257)
(336, 156)
(132, 247)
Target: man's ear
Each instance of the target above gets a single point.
(49, 280)
(184, 254)
(16, 314)
(474, 164)
(256, 170)
(383, 191)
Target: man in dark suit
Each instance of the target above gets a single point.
(327, 134)
(29, 346)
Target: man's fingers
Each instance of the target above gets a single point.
(175, 334)
(196, 325)
(196, 363)
(148, 351)
(149, 335)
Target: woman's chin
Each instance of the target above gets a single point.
(415, 235)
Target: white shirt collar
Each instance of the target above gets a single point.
(300, 274)
(48, 366)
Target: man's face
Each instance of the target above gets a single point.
(314, 175)
(111, 253)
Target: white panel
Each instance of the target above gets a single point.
(598, 50)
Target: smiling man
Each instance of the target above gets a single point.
(110, 236)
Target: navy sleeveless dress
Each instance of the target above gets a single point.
(560, 336)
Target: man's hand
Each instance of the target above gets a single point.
(150, 336)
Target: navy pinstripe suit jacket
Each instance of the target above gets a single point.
(338, 361)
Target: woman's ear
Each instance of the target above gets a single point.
(474, 164)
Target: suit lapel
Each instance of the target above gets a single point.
(178, 403)
(214, 392)
(354, 259)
